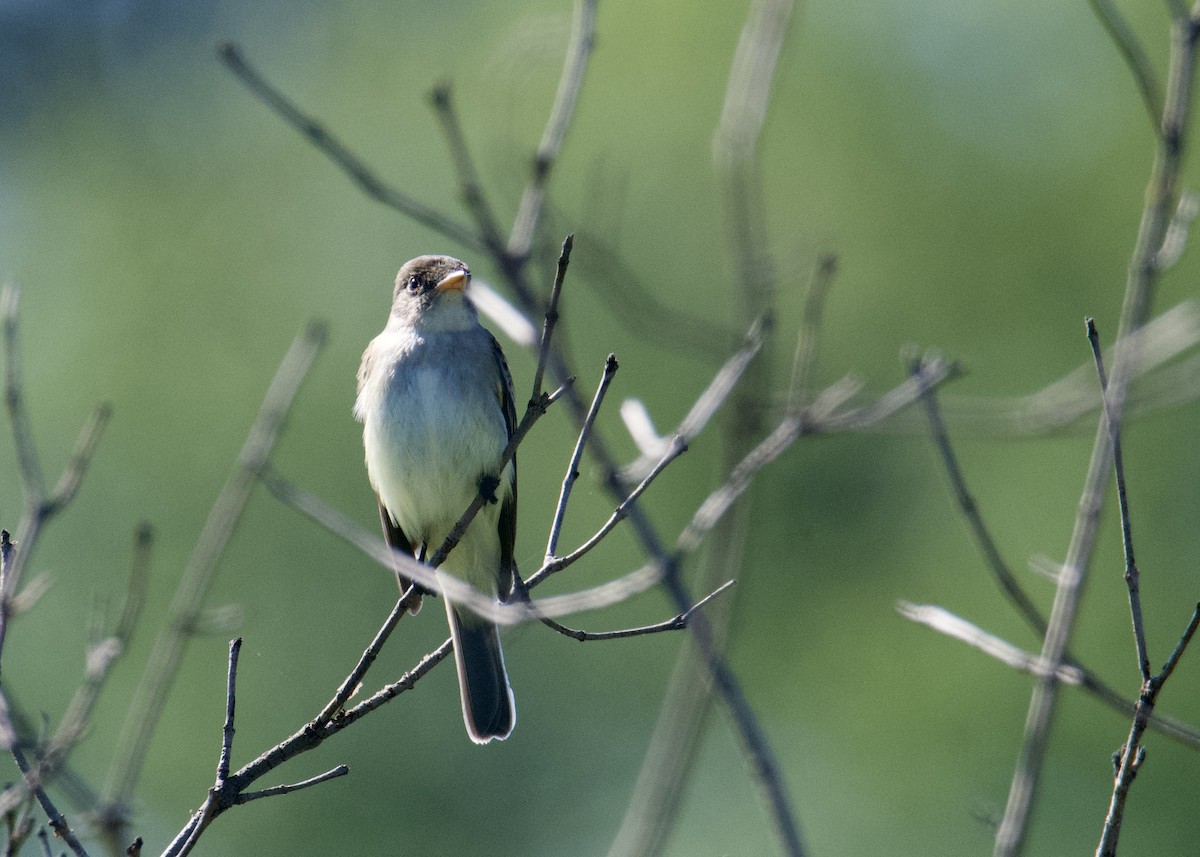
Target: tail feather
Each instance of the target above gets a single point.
(487, 698)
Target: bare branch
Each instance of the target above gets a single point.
(148, 699)
(333, 773)
(945, 622)
(38, 508)
(1061, 406)
(707, 403)
(85, 447)
(470, 186)
(555, 564)
(1009, 584)
(564, 495)
(235, 648)
(1132, 754)
(101, 657)
(337, 152)
(551, 314)
(1132, 577)
(676, 623)
(806, 342)
(33, 782)
(354, 679)
(1135, 57)
(970, 510)
(1162, 194)
(32, 480)
(579, 50)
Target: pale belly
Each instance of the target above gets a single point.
(428, 448)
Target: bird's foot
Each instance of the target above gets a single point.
(487, 488)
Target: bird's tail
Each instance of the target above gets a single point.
(487, 697)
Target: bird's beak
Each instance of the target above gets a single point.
(454, 282)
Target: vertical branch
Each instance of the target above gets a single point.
(6, 564)
(32, 480)
(1162, 194)
(149, 698)
(564, 494)
(1132, 577)
(654, 804)
(579, 50)
(1133, 754)
(38, 507)
(235, 649)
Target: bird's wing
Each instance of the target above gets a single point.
(507, 523)
(397, 540)
(364, 368)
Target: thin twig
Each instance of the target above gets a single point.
(37, 508)
(470, 186)
(1133, 753)
(810, 329)
(564, 494)
(354, 679)
(101, 658)
(85, 448)
(333, 773)
(570, 83)
(555, 564)
(676, 623)
(723, 385)
(551, 314)
(1162, 194)
(235, 648)
(336, 151)
(32, 480)
(945, 622)
(1009, 584)
(33, 782)
(970, 511)
(161, 669)
(6, 564)
(1132, 576)
(1135, 57)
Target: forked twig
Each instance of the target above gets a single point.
(1162, 195)
(160, 671)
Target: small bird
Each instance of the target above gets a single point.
(435, 399)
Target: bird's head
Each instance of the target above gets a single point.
(430, 292)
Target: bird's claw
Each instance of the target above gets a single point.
(487, 488)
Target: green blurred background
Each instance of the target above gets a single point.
(979, 171)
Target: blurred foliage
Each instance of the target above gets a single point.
(977, 169)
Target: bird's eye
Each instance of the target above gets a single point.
(413, 284)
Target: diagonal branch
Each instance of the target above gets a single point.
(337, 151)
(1132, 577)
(161, 669)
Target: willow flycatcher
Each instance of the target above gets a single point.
(436, 402)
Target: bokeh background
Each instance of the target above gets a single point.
(977, 168)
